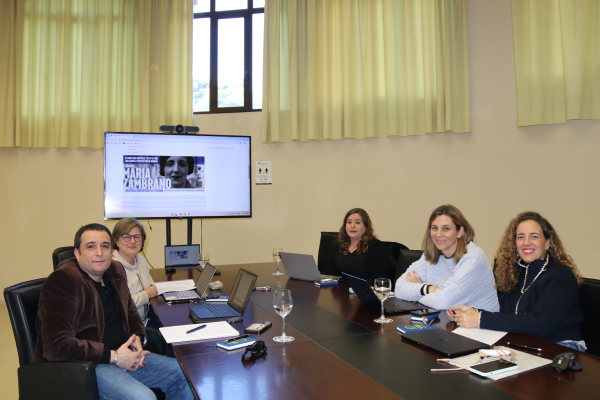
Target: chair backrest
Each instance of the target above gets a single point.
(22, 303)
(589, 303)
(62, 254)
(328, 241)
(393, 249)
(406, 258)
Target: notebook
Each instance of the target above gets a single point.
(201, 285)
(302, 267)
(182, 256)
(445, 342)
(365, 294)
(236, 305)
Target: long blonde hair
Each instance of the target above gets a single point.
(507, 270)
(432, 254)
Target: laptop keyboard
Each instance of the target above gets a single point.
(220, 310)
(391, 306)
(186, 294)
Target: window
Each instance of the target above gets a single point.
(227, 55)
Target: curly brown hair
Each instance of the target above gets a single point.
(369, 235)
(432, 254)
(507, 269)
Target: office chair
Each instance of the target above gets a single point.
(62, 254)
(393, 249)
(589, 303)
(328, 242)
(64, 380)
(407, 257)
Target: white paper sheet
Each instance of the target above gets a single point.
(213, 330)
(174, 286)
(525, 362)
(481, 335)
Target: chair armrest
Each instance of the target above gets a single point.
(63, 380)
(156, 344)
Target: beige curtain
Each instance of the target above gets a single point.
(557, 60)
(82, 67)
(336, 69)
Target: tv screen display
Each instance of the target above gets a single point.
(156, 175)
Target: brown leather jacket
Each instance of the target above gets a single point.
(70, 320)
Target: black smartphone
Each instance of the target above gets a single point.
(424, 313)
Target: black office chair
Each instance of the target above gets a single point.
(393, 249)
(407, 257)
(589, 303)
(62, 380)
(328, 241)
(62, 254)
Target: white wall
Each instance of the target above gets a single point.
(491, 174)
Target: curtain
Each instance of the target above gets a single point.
(336, 69)
(82, 67)
(557, 60)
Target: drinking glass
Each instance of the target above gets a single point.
(204, 258)
(383, 286)
(277, 258)
(282, 302)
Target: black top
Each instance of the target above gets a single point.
(114, 336)
(370, 265)
(549, 308)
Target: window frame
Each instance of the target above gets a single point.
(214, 17)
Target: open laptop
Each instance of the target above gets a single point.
(445, 342)
(201, 285)
(302, 267)
(236, 305)
(182, 256)
(366, 295)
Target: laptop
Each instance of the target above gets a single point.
(201, 285)
(302, 267)
(182, 256)
(366, 295)
(445, 342)
(236, 305)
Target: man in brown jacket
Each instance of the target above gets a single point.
(86, 313)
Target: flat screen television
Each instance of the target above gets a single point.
(158, 175)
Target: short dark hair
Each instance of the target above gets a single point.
(90, 227)
(123, 227)
(163, 161)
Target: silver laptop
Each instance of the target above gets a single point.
(182, 256)
(201, 285)
(302, 267)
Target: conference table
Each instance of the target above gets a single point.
(340, 352)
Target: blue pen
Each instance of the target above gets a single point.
(196, 329)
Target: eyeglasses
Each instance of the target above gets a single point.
(127, 238)
(256, 349)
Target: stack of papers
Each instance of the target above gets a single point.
(486, 336)
(212, 330)
(174, 286)
(525, 361)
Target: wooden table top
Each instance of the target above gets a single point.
(340, 352)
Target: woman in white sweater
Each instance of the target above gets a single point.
(129, 236)
(452, 270)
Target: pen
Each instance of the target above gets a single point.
(237, 338)
(524, 347)
(196, 329)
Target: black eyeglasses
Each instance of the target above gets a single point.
(256, 349)
(127, 238)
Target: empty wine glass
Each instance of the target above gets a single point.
(277, 258)
(383, 286)
(282, 302)
(204, 258)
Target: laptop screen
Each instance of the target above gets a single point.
(204, 278)
(242, 289)
(181, 255)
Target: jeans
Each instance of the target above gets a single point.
(580, 345)
(160, 372)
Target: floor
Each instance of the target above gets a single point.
(10, 360)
